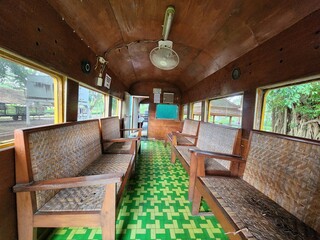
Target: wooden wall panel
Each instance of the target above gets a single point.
(157, 128)
(72, 101)
(8, 215)
(294, 53)
(36, 32)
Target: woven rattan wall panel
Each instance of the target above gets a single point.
(51, 159)
(217, 139)
(288, 172)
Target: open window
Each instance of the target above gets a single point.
(185, 111)
(226, 111)
(292, 110)
(91, 104)
(196, 111)
(28, 97)
(115, 106)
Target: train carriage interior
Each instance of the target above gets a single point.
(137, 119)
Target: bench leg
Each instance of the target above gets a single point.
(26, 230)
(173, 157)
(197, 169)
(192, 177)
(108, 213)
(196, 202)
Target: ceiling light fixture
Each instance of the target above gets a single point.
(163, 56)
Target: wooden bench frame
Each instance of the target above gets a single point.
(28, 217)
(120, 139)
(218, 209)
(172, 137)
(237, 162)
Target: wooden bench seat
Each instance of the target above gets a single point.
(64, 180)
(278, 196)
(112, 142)
(187, 136)
(211, 137)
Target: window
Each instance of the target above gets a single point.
(91, 104)
(185, 112)
(115, 107)
(293, 110)
(167, 111)
(226, 111)
(196, 111)
(27, 98)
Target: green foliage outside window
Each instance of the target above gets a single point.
(294, 110)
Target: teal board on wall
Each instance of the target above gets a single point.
(166, 111)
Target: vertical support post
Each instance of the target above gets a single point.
(197, 168)
(108, 213)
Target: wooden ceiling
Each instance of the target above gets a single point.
(207, 35)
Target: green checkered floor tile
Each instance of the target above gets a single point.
(155, 205)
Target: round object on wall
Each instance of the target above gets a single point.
(236, 73)
(85, 66)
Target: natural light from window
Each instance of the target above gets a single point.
(91, 104)
(293, 110)
(26, 98)
(226, 111)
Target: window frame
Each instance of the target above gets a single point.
(119, 106)
(105, 98)
(223, 97)
(261, 99)
(59, 81)
(192, 110)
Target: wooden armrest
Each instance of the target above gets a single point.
(131, 129)
(184, 135)
(222, 156)
(73, 182)
(120, 140)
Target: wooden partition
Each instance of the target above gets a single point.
(158, 128)
(8, 214)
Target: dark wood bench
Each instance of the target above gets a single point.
(64, 180)
(278, 196)
(216, 138)
(187, 136)
(112, 142)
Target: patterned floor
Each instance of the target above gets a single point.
(155, 205)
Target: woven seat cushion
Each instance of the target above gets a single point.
(181, 140)
(210, 163)
(88, 198)
(117, 147)
(251, 209)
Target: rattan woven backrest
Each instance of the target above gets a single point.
(288, 172)
(110, 127)
(62, 151)
(216, 138)
(190, 127)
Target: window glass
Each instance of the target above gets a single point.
(167, 111)
(90, 104)
(26, 98)
(115, 107)
(196, 111)
(293, 110)
(185, 112)
(226, 111)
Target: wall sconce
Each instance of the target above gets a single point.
(102, 62)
